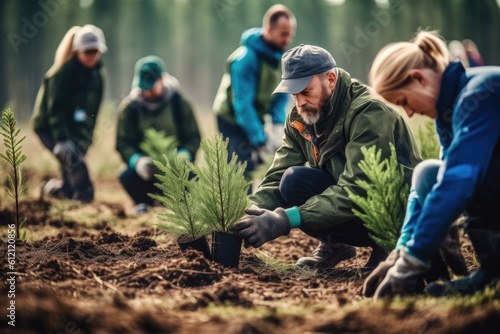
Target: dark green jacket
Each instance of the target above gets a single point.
(356, 119)
(174, 116)
(68, 102)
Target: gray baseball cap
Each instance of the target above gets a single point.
(89, 37)
(300, 64)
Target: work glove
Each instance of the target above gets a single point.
(402, 278)
(65, 152)
(274, 138)
(261, 226)
(373, 280)
(145, 168)
(258, 155)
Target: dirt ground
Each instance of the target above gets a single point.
(104, 277)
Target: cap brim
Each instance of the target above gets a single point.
(293, 86)
(94, 46)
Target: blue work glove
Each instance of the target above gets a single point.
(401, 279)
(261, 226)
(145, 168)
(373, 280)
(65, 152)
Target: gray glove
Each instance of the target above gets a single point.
(145, 168)
(373, 280)
(401, 278)
(65, 152)
(261, 226)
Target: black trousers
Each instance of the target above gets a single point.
(298, 184)
(137, 188)
(75, 176)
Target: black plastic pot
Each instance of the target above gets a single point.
(200, 244)
(226, 249)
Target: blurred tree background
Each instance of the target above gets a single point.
(194, 37)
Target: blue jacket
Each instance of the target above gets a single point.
(245, 96)
(471, 100)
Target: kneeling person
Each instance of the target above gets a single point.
(155, 102)
(334, 116)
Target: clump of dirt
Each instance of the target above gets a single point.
(142, 244)
(109, 236)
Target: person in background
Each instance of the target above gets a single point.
(465, 104)
(244, 97)
(457, 51)
(305, 187)
(473, 56)
(154, 102)
(66, 108)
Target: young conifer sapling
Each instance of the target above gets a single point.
(383, 208)
(14, 157)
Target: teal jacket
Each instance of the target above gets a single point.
(355, 119)
(172, 114)
(245, 93)
(68, 102)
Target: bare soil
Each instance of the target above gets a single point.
(95, 279)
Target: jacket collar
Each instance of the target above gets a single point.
(452, 83)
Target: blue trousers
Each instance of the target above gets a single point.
(298, 184)
(483, 204)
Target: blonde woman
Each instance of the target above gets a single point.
(419, 77)
(66, 109)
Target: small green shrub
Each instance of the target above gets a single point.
(383, 208)
(156, 144)
(14, 158)
(427, 141)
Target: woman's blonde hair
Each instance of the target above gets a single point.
(390, 69)
(64, 51)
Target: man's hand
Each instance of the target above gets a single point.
(373, 280)
(145, 168)
(65, 152)
(261, 226)
(402, 277)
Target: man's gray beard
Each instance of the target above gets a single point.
(311, 119)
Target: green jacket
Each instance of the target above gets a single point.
(174, 115)
(68, 102)
(356, 119)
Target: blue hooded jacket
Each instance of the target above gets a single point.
(468, 125)
(245, 71)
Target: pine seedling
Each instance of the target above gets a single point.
(14, 157)
(222, 187)
(183, 217)
(383, 208)
(156, 143)
(427, 141)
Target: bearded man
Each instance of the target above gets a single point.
(318, 160)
